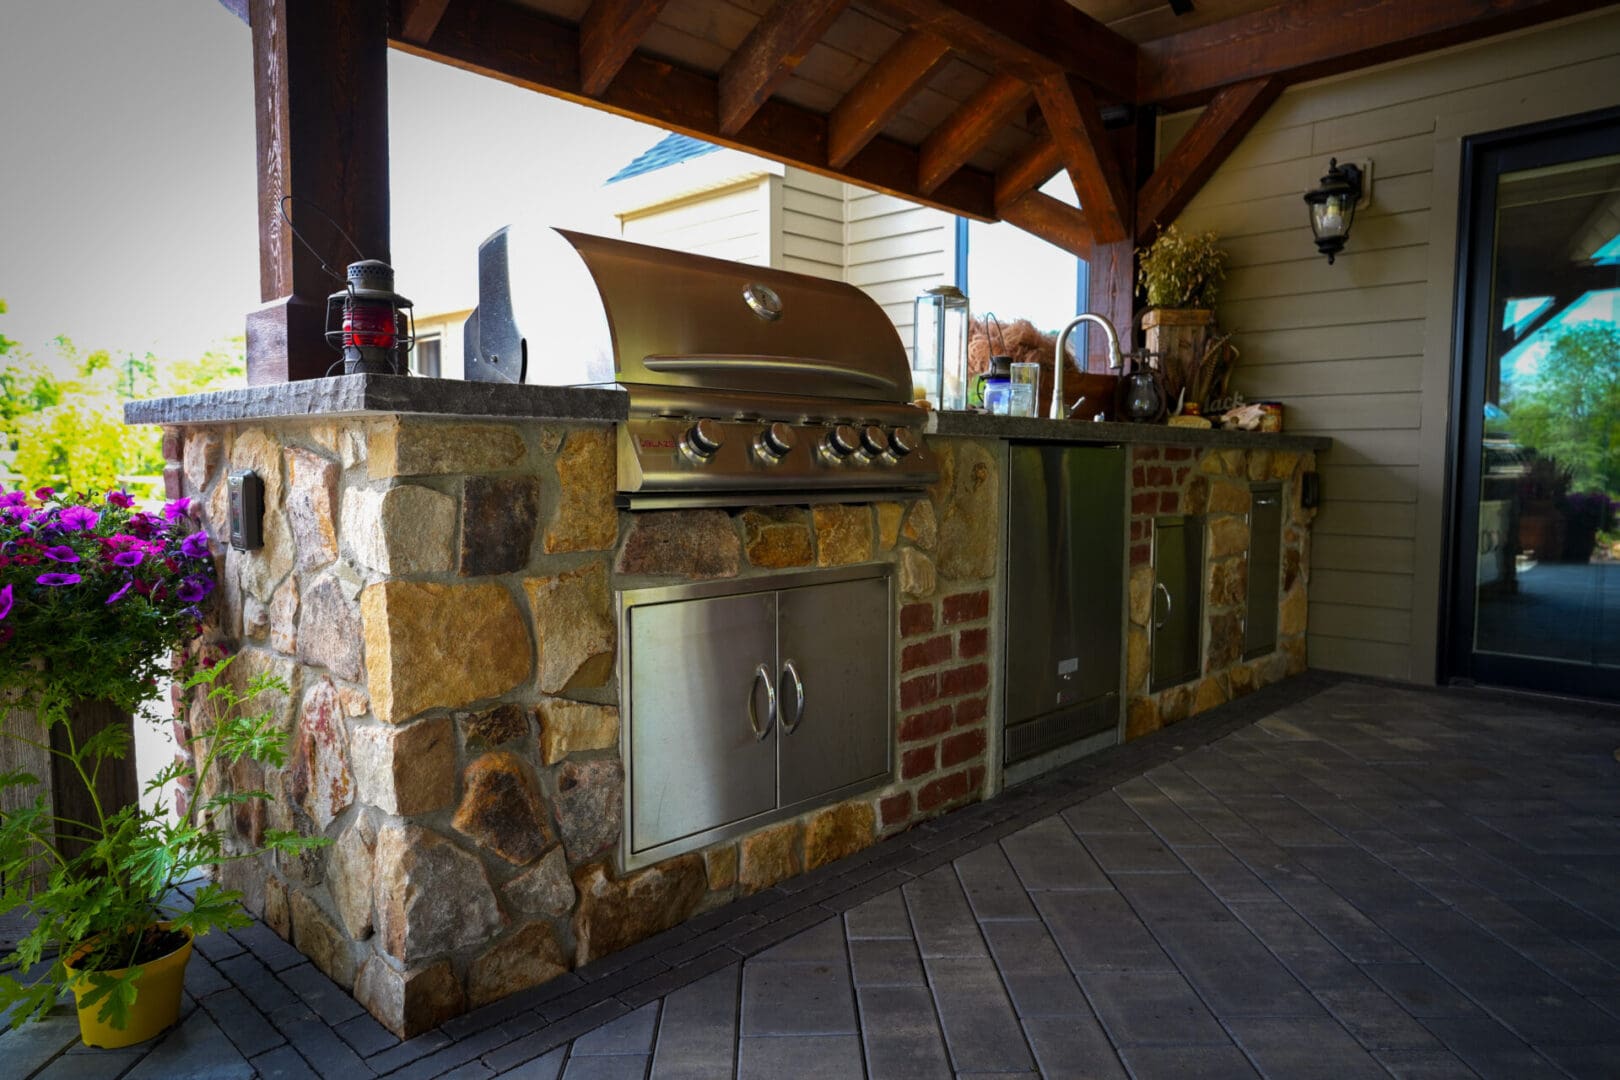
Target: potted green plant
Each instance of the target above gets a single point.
(95, 597)
(1181, 275)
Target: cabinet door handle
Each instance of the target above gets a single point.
(762, 673)
(798, 697)
(1169, 605)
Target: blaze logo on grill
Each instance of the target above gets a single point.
(657, 444)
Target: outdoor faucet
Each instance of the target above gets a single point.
(1115, 361)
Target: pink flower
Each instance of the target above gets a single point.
(5, 601)
(44, 493)
(176, 510)
(120, 499)
(194, 546)
(79, 518)
(128, 559)
(61, 553)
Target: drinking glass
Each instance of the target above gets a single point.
(1025, 389)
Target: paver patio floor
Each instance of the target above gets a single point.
(1330, 878)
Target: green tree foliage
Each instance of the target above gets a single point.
(1570, 409)
(62, 421)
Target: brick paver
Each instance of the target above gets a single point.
(1330, 878)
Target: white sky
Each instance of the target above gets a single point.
(128, 197)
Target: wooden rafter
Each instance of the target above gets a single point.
(1030, 37)
(420, 17)
(1031, 168)
(1052, 220)
(898, 74)
(953, 144)
(608, 33)
(1082, 143)
(530, 50)
(1306, 39)
(1194, 159)
(769, 54)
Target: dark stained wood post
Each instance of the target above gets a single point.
(1113, 266)
(320, 80)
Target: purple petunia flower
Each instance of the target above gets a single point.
(14, 498)
(120, 499)
(5, 601)
(194, 589)
(56, 580)
(44, 493)
(176, 510)
(128, 559)
(121, 592)
(61, 553)
(79, 518)
(195, 546)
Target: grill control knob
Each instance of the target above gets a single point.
(843, 440)
(777, 440)
(704, 437)
(902, 441)
(873, 439)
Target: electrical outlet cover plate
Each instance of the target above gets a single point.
(246, 510)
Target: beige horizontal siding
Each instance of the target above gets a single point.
(1360, 350)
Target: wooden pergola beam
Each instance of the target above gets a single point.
(952, 145)
(1194, 159)
(1033, 166)
(1307, 39)
(1052, 220)
(1029, 38)
(528, 49)
(768, 55)
(1082, 143)
(882, 92)
(320, 89)
(419, 17)
(608, 33)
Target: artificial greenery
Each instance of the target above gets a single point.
(1182, 271)
(114, 893)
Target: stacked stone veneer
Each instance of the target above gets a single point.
(437, 596)
(1214, 484)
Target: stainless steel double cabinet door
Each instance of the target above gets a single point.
(749, 704)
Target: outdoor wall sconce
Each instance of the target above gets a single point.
(1333, 207)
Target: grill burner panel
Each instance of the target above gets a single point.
(746, 384)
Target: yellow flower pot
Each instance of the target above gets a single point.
(157, 1000)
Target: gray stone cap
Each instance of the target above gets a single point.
(983, 425)
(349, 395)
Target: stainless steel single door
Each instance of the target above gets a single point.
(1065, 560)
(1177, 611)
(833, 686)
(702, 709)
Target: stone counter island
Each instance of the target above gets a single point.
(438, 588)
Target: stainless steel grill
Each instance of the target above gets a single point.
(746, 385)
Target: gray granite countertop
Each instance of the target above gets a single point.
(983, 425)
(349, 394)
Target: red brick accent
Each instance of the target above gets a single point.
(895, 809)
(1139, 477)
(916, 619)
(1147, 453)
(970, 711)
(919, 691)
(971, 643)
(172, 447)
(962, 747)
(1160, 476)
(1144, 502)
(1177, 453)
(965, 607)
(1170, 502)
(925, 725)
(1140, 553)
(937, 793)
(926, 653)
(172, 481)
(1182, 472)
(964, 680)
(1139, 530)
(914, 763)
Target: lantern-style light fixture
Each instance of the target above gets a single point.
(1333, 206)
(375, 328)
(939, 352)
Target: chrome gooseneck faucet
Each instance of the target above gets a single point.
(1115, 361)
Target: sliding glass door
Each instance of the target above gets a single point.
(1535, 553)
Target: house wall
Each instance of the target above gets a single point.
(731, 222)
(896, 250)
(1362, 350)
(809, 238)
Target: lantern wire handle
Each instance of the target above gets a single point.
(990, 317)
(281, 208)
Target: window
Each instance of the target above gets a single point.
(425, 356)
(1015, 275)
